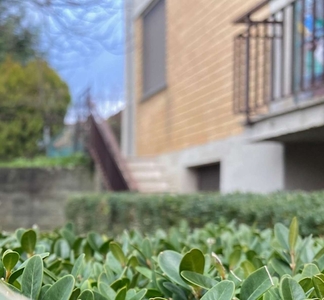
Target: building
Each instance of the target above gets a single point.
(228, 95)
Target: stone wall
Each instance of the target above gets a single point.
(31, 196)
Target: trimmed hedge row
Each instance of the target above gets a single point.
(114, 212)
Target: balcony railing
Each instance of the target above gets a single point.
(279, 59)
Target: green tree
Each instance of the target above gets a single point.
(17, 37)
(32, 97)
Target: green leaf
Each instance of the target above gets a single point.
(98, 296)
(86, 295)
(10, 259)
(280, 267)
(248, 268)
(68, 235)
(176, 291)
(77, 266)
(147, 248)
(310, 270)
(140, 295)
(281, 234)
(293, 234)
(198, 279)
(61, 290)
(121, 295)
(106, 290)
(75, 294)
(234, 258)
(19, 232)
(62, 249)
(306, 283)
(291, 290)
(28, 241)
(32, 277)
(145, 272)
(193, 261)
(223, 290)
(43, 291)
(2, 270)
(256, 284)
(318, 283)
(95, 240)
(118, 253)
(169, 262)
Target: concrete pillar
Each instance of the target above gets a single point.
(257, 168)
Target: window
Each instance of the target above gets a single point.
(154, 69)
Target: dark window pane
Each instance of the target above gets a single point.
(154, 49)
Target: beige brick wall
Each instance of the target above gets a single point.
(196, 107)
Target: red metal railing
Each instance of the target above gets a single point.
(280, 57)
(105, 151)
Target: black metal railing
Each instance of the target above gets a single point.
(280, 57)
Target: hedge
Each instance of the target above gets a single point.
(114, 212)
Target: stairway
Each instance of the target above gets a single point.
(149, 174)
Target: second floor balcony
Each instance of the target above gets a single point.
(279, 59)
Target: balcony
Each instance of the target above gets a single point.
(279, 59)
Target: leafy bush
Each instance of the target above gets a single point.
(114, 212)
(216, 262)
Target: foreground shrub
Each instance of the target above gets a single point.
(114, 212)
(216, 262)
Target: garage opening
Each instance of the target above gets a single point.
(207, 177)
(304, 166)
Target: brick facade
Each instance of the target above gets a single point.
(196, 106)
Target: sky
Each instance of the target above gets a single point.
(92, 59)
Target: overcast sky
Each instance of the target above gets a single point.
(97, 63)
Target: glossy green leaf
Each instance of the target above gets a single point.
(223, 290)
(28, 241)
(10, 259)
(121, 295)
(248, 268)
(43, 291)
(282, 235)
(197, 279)
(147, 248)
(61, 290)
(118, 253)
(310, 270)
(86, 295)
(169, 262)
(280, 267)
(98, 296)
(291, 290)
(319, 286)
(306, 283)
(77, 266)
(32, 277)
(75, 294)
(140, 295)
(106, 290)
(293, 234)
(2, 270)
(193, 261)
(95, 240)
(234, 258)
(256, 284)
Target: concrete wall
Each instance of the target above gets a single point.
(247, 167)
(37, 196)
